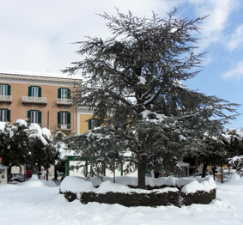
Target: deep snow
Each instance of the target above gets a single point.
(38, 202)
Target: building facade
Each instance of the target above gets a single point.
(39, 99)
(84, 119)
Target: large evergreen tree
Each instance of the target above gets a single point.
(133, 82)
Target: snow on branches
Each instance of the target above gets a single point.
(237, 162)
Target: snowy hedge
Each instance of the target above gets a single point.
(175, 191)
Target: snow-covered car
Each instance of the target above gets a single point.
(17, 177)
(41, 175)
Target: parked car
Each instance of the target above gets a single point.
(41, 175)
(17, 177)
(28, 174)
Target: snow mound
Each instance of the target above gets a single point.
(207, 184)
(109, 186)
(34, 181)
(76, 184)
(235, 180)
(80, 184)
(153, 182)
(115, 187)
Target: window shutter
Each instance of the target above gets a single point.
(39, 117)
(68, 93)
(29, 115)
(8, 115)
(30, 91)
(39, 91)
(9, 89)
(59, 118)
(68, 118)
(90, 124)
(59, 93)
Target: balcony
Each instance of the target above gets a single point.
(35, 100)
(64, 127)
(64, 101)
(6, 98)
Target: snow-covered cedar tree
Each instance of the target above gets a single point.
(132, 81)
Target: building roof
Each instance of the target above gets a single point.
(38, 77)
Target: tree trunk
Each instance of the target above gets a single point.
(55, 173)
(222, 172)
(47, 174)
(20, 169)
(204, 169)
(141, 175)
(9, 172)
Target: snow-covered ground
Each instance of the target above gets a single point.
(38, 202)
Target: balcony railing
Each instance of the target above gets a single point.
(64, 101)
(5, 98)
(65, 127)
(38, 100)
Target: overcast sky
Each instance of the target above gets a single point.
(36, 37)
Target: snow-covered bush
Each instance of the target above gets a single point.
(237, 162)
(21, 144)
(175, 192)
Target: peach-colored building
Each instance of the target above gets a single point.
(41, 99)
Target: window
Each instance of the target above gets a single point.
(34, 91)
(93, 123)
(4, 115)
(35, 116)
(63, 117)
(63, 93)
(64, 120)
(5, 89)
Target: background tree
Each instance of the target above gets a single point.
(132, 81)
(233, 140)
(215, 153)
(61, 148)
(43, 153)
(15, 146)
(21, 145)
